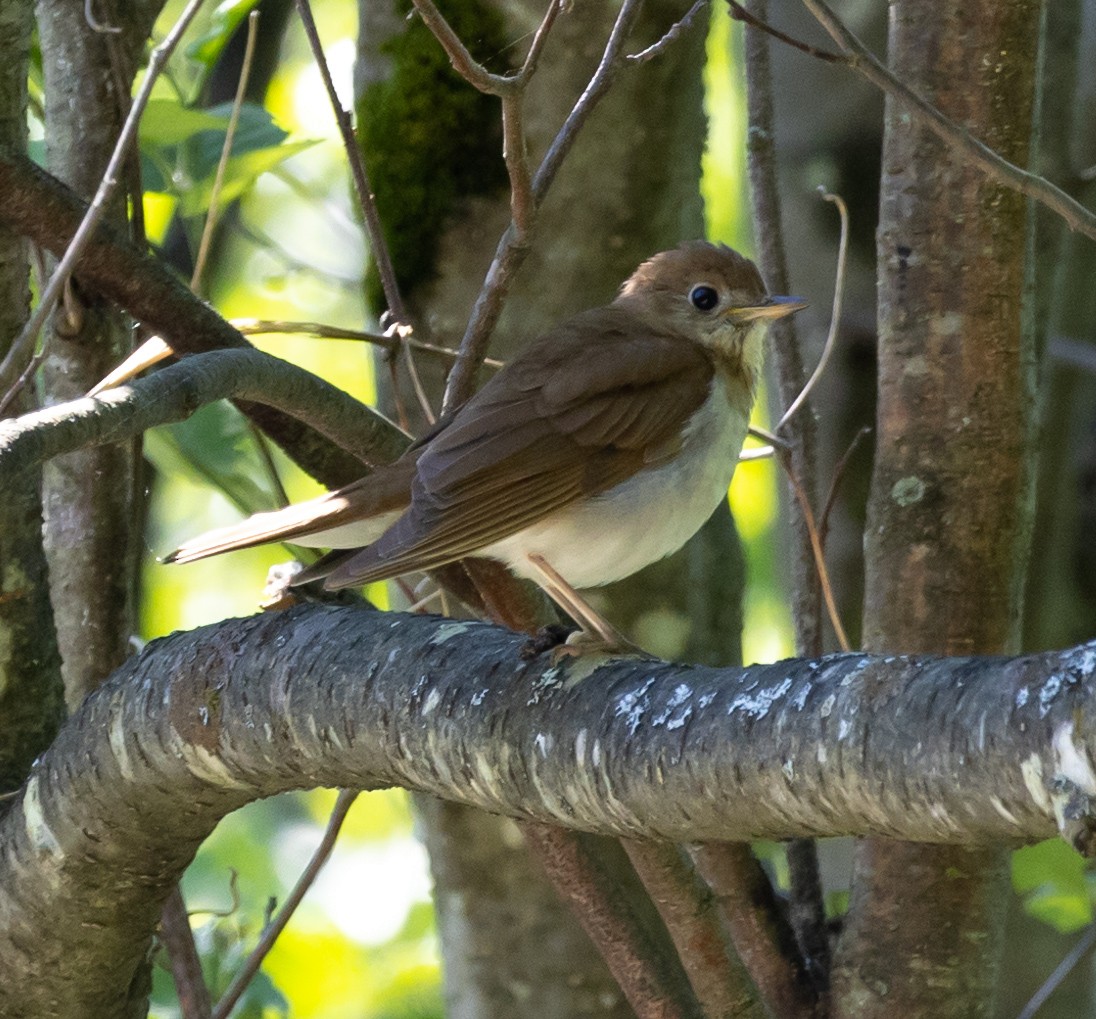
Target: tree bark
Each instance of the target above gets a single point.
(31, 694)
(950, 506)
(963, 751)
(91, 512)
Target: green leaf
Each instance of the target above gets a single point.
(169, 122)
(1052, 879)
(240, 174)
(226, 17)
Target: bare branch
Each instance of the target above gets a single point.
(174, 393)
(835, 314)
(377, 245)
(994, 165)
(463, 62)
(273, 930)
(319, 696)
(675, 32)
(20, 349)
(512, 246)
(186, 968)
(213, 212)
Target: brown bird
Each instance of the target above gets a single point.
(602, 447)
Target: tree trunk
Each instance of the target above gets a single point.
(950, 505)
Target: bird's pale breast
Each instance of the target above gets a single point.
(644, 519)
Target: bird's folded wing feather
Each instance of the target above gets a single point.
(567, 420)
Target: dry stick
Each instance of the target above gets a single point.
(186, 968)
(21, 348)
(362, 188)
(378, 246)
(816, 548)
(857, 57)
(1084, 945)
(762, 938)
(277, 925)
(255, 326)
(839, 470)
(689, 912)
(806, 907)
(213, 213)
(512, 247)
(673, 33)
(835, 314)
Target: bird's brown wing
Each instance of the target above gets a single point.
(585, 408)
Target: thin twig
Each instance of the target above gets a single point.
(512, 247)
(213, 212)
(95, 24)
(839, 470)
(257, 326)
(516, 157)
(21, 348)
(835, 314)
(994, 165)
(675, 32)
(739, 13)
(819, 557)
(1084, 945)
(377, 245)
(470, 69)
(536, 47)
(182, 955)
(413, 374)
(277, 925)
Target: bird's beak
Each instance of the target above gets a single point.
(770, 308)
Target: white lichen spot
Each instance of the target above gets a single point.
(447, 631)
(827, 706)
(789, 770)
(799, 701)
(677, 711)
(633, 705)
(1047, 694)
(117, 734)
(1023, 695)
(543, 743)
(580, 746)
(843, 728)
(209, 767)
(757, 705)
(1072, 761)
(823, 754)
(908, 491)
(595, 753)
(950, 323)
(433, 699)
(1032, 772)
(38, 831)
(704, 700)
(477, 697)
(1003, 811)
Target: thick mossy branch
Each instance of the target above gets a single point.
(957, 750)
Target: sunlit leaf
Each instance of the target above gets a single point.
(240, 173)
(1052, 878)
(169, 122)
(226, 17)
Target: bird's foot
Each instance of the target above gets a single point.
(584, 643)
(546, 639)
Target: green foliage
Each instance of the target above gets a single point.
(1055, 884)
(429, 138)
(226, 17)
(181, 147)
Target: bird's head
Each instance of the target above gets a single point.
(713, 295)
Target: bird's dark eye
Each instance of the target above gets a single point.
(704, 297)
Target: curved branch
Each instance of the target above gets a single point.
(38, 206)
(957, 750)
(176, 392)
